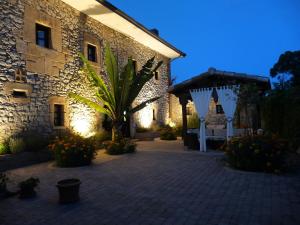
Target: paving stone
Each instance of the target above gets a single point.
(160, 184)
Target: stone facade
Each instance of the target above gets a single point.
(33, 79)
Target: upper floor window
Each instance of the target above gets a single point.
(92, 53)
(43, 36)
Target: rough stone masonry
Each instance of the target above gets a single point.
(33, 79)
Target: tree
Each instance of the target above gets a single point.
(288, 63)
(114, 96)
(249, 100)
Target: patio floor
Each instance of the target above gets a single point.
(160, 184)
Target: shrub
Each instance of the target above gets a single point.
(34, 141)
(168, 134)
(178, 130)
(100, 137)
(27, 187)
(142, 130)
(193, 121)
(256, 153)
(120, 147)
(72, 150)
(4, 148)
(3, 181)
(16, 145)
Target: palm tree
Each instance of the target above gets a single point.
(114, 96)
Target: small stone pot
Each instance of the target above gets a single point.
(68, 190)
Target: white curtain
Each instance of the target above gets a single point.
(201, 99)
(227, 96)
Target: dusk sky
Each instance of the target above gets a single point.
(234, 35)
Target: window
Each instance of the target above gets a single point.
(156, 75)
(59, 114)
(92, 53)
(19, 94)
(219, 109)
(153, 114)
(43, 36)
(20, 76)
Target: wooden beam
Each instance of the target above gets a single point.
(183, 101)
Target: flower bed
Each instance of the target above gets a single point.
(167, 133)
(122, 146)
(72, 150)
(256, 153)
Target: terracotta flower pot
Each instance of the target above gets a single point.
(68, 190)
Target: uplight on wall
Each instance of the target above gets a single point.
(146, 117)
(82, 126)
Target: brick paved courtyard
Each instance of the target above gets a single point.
(161, 184)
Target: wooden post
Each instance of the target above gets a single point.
(183, 101)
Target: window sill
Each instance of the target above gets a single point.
(59, 127)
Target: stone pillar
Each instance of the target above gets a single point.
(183, 101)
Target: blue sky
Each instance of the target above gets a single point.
(234, 35)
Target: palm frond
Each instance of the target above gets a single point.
(91, 104)
(97, 81)
(144, 75)
(112, 70)
(125, 84)
(143, 105)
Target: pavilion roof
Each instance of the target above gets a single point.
(215, 78)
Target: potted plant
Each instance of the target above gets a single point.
(68, 190)
(27, 187)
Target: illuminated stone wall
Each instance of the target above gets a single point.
(49, 75)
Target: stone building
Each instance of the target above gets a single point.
(39, 63)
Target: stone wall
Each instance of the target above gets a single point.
(49, 75)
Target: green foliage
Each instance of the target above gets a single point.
(27, 187)
(193, 121)
(116, 96)
(100, 137)
(142, 130)
(29, 183)
(16, 145)
(73, 150)
(249, 95)
(3, 180)
(280, 111)
(120, 147)
(34, 141)
(4, 148)
(178, 130)
(288, 63)
(256, 153)
(168, 133)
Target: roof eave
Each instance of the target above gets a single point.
(139, 25)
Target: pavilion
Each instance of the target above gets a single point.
(223, 87)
